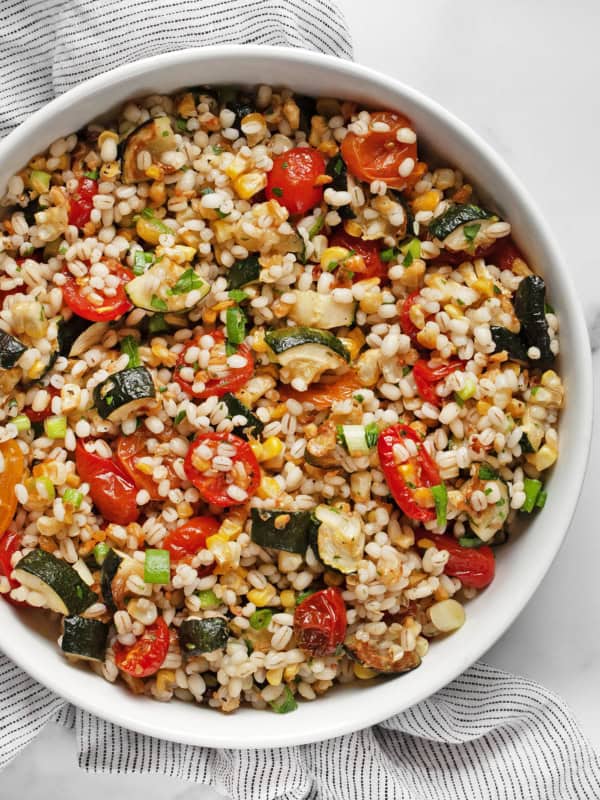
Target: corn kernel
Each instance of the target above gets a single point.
(110, 170)
(216, 540)
(165, 680)
(352, 346)
(155, 172)
(261, 597)
(271, 448)
(516, 408)
(146, 231)
(237, 166)
(288, 598)
(74, 481)
(484, 286)
(184, 510)
(274, 676)
(333, 578)
(269, 487)
(423, 496)
(256, 448)
(425, 543)
(223, 230)
(453, 311)
(290, 672)
(279, 411)
(441, 594)
(258, 343)
(246, 186)
(427, 201)
(408, 472)
(482, 407)
(544, 458)
(363, 673)
(352, 228)
(416, 577)
(333, 255)
(230, 527)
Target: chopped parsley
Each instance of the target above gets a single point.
(222, 214)
(316, 226)
(285, 165)
(238, 295)
(277, 191)
(158, 304)
(487, 473)
(181, 124)
(471, 231)
(141, 261)
(389, 254)
(92, 174)
(186, 283)
(181, 415)
(217, 150)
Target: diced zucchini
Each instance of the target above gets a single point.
(243, 272)
(340, 539)
(77, 335)
(84, 638)
(281, 530)
(11, 350)
(122, 394)
(60, 585)
(533, 433)
(462, 227)
(359, 440)
(530, 308)
(235, 408)
(166, 287)
(154, 136)
(380, 659)
(306, 353)
(510, 342)
(117, 568)
(318, 310)
(485, 524)
(203, 635)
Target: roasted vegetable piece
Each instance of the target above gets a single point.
(530, 308)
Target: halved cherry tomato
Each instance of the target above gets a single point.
(369, 250)
(320, 622)
(145, 657)
(189, 538)
(40, 416)
(423, 467)
(109, 307)
(377, 155)
(81, 202)
(129, 451)
(218, 378)
(9, 544)
(111, 489)
(212, 483)
(292, 180)
(14, 466)
(505, 253)
(427, 377)
(323, 394)
(474, 567)
(407, 325)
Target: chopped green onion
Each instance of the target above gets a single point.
(541, 499)
(40, 181)
(208, 599)
(187, 282)
(487, 473)
(471, 231)
(389, 254)
(238, 295)
(141, 262)
(249, 646)
(158, 303)
(230, 349)
(286, 704)
(440, 496)
(316, 226)
(157, 324)
(217, 150)
(470, 541)
(181, 415)
(100, 552)
(72, 497)
(532, 488)
(261, 619)
(406, 370)
(129, 346)
(21, 423)
(157, 566)
(181, 124)
(235, 322)
(159, 225)
(411, 251)
(221, 214)
(468, 389)
(92, 174)
(303, 595)
(371, 434)
(55, 427)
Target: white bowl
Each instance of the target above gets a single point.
(520, 565)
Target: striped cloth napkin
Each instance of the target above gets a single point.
(486, 736)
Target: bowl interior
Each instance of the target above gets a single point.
(520, 566)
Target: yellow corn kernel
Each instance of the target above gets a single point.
(423, 496)
(516, 408)
(246, 186)
(268, 488)
(425, 543)
(484, 286)
(544, 458)
(142, 466)
(427, 201)
(74, 481)
(441, 594)
(352, 228)
(288, 598)
(416, 577)
(184, 510)
(363, 673)
(223, 230)
(333, 255)
(256, 449)
(453, 311)
(165, 680)
(274, 676)
(216, 540)
(333, 578)
(155, 172)
(352, 346)
(237, 166)
(230, 527)
(258, 343)
(482, 407)
(157, 192)
(271, 448)
(147, 231)
(290, 672)
(186, 107)
(110, 170)
(262, 597)
(371, 302)
(408, 472)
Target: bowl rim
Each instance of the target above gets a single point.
(329, 726)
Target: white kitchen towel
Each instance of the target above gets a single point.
(486, 736)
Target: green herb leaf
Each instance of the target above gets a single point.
(187, 282)
(129, 346)
(238, 295)
(285, 703)
(261, 619)
(487, 473)
(371, 434)
(181, 124)
(389, 254)
(316, 227)
(141, 261)
(471, 231)
(158, 304)
(181, 415)
(157, 324)
(217, 150)
(440, 497)
(92, 174)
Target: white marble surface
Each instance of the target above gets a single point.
(524, 75)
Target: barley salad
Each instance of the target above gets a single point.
(272, 388)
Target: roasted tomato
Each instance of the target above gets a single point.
(40, 416)
(218, 377)
(130, 449)
(474, 567)
(427, 377)
(11, 475)
(505, 253)
(292, 180)
(324, 394)
(111, 489)
(222, 487)
(320, 622)
(9, 544)
(368, 250)
(81, 202)
(145, 657)
(189, 538)
(407, 325)
(99, 305)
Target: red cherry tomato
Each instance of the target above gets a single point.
(218, 378)
(9, 544)
(145, 657)
(377, 155)
(292, 180)
(427, 377)
(189, 538)
(107, 307)
(111, 489)
(407, 325)
(211, 483)
(130, 449)
(40, 416)
(369, 250)
(81, 202)
(474, 567)
(424, 467)
(320, 622)
(505, 253)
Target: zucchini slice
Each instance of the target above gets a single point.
(243, 272)
(509, 341)
(203, 635)
(235, 408)
(533, 433)
(462, 227)
(380, 659)
(57, 581)
(485, 524)
(11, 350)
(155, 136)
(77, 335)
(84, 638)
(530, 308)
(281, 530)
(122, 394)
(306, 353)
(319, 310)
(116, 569)
(340, 539)
(166, 287)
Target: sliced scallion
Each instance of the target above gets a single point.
(411, 251)
(316, 226)
(72, 497)
(261, 619)
(532, 488)
(487, 473)
(21, 423)
(141, 262)
(235, 323)
(468, 389)
(157, 566)
(55, 427)
(100, 552)
(208, 599)
(440, 497)
(470, 541)
(157, 324)
(40, 181)
(541, 499)
(129, 346)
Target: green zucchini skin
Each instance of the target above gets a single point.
(203, 635)
(84, 638)
(293, 537)
(338, 172)
(530, 308)
(60, 579)
(114, 395)
(110, 565)
(235, 408)
(286, 338)
(454, 217)
(243, 272)
(509, 341)
(11, 350)
(69, 331)
(155, 135)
